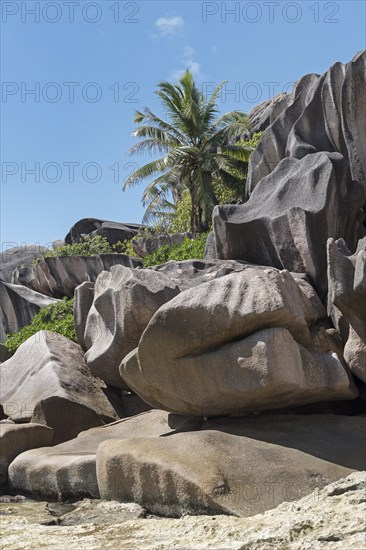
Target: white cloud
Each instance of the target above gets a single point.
(194, 67)
(188, 51)
(169, 26)
(189, 63)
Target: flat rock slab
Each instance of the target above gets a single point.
(17, 438)
(47, 380)
(241, 467)
(69, 468)
(102, 513)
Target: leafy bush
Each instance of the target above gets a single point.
(189, 249)
(180, 221)
(127, 248)
(88, 246)
(57, 317)
(253, 141)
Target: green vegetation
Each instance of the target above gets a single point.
(189, 249)
(88, 246)
(253, 141)
(57, 317)
(200, 150)
(177, 220)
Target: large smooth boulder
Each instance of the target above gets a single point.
(290, 215)
(17, 438)
(18, 305)
(16, 256)
(124, 301)
(347, 300)
(238, 343)
(112, 231)
(59, 276)
(148, 245)
(47, 381)
(239, 466)
(69, 468)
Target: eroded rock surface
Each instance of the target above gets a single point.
(328, 519)
(328, 113)
(59, 276)
(306, 178)
(18, 305)
(290, 215)
(112, 231)
(48, 381)
(265, 114)
(190, 273)
(238, 343)
(347, 300)
(83, 300)
(17, 438)
(69, 468)
(124, 301)
(23, 255)
(241, 467)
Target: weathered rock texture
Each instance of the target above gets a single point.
(265, 114)
(190, 273)
(124, 301)
(210, 248)
(327, 114)
(328, 519)
(83, 300)
(145, 246)
(69, 468)
(18, 305)
(59, 276)
(290, 215)
(48, 381)
(112, 231)
(11, 258)
(238, 343)
(306, 178)
(241, 467)
(347, 300)
(17, 438)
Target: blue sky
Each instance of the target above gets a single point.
(91, 64)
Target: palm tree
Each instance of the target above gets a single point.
(199, 147)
